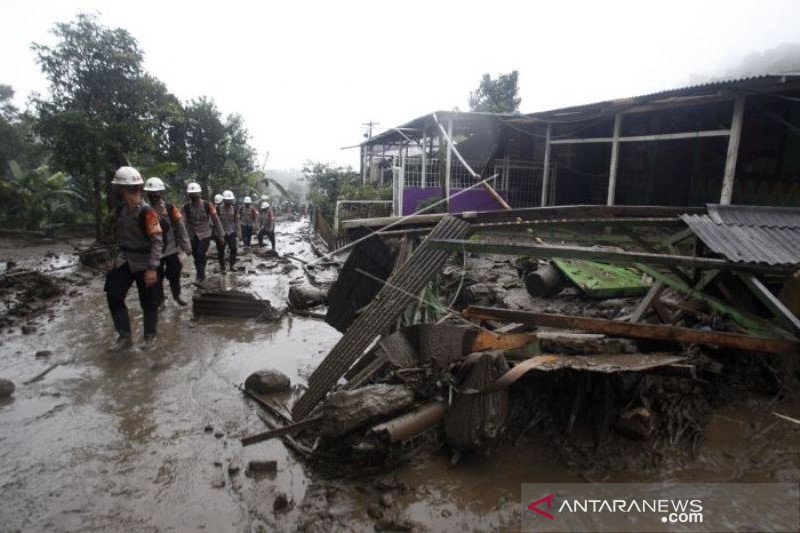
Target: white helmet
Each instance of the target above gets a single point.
(264, 205)
(154, 185)
(217, 198)
(127, 176)
(227, 195)
(193, 188)
(248, 200)
(264, 197)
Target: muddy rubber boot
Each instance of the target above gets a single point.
(176, 295)
(148, 343)
(123, 342)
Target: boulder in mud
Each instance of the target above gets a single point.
(267, 381)
(7, 388)
(345, 411)
(303, 297)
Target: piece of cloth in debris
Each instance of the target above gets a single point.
(476, 422)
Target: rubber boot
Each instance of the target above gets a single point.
(176, 295)
(150, 329)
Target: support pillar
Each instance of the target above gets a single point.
(733, 150)
(546, 167)
(612, 169)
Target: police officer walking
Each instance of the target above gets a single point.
(200, 215)
(174, 234)
(249, 217)
(138, 234)
(266, 225)
(229, 216)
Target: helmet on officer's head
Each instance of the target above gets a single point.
(264, 205)
(217, 198)
(154, 185)
(193, 188)
(127, 176)
(227, 195)
(247, 200)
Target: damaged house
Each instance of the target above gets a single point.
(732, 141)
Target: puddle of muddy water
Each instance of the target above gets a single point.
(120, 442)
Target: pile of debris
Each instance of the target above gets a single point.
(24, 293)
(633, 339)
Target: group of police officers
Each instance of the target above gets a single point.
(150, 234)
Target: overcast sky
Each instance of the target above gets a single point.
(306, 75)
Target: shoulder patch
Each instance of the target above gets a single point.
(151, 223)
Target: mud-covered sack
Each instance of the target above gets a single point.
(345, 411)
(476, 421)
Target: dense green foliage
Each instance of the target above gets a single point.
(327, 184)
(103, 110)
(500, 95)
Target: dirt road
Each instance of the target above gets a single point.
(145, 441)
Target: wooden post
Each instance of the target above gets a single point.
(612, 170)
(448, 162)
(422, 160)
(733, 150)
(546, 167)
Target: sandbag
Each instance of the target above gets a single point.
(475, 422)
(345, 410)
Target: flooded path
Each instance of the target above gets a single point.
(143, 441)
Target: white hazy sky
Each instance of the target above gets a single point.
(306, 75)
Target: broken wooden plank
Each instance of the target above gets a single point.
(550, 251)
(639, 331)
(647, 301)
(282, 430)
(750, 323)
(771, 302)
(397, 293)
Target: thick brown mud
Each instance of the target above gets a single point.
(144, 440)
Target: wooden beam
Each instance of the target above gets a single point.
(639, 331)
(546, 251)
(733, 150)
(771, 302)
(578, 222)
(283, 430)
(647, 138)
(657, 288)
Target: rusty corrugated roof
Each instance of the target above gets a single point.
(750, 234)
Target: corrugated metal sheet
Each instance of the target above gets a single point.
(749, 242)
(749, 215)
(749, 82)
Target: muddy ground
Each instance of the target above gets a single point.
(146, 440)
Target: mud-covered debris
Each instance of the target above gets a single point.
(235, 466)
(281, 503)
(584, 343)
(262, 466)
(232, 304)
(7, 387)
(209, 428)
(267, 381)
(303, 297)
(219, 434)
(43, 353)
(28, 329)
(218, 480)
(475, 422)
(345, 411)
(387, 500)
(636, 424)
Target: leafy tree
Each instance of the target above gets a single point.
(41, 197)
(327, 184)
(103, 108)
(500, 95)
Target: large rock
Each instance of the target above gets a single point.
(267, 381)
(6, 387)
